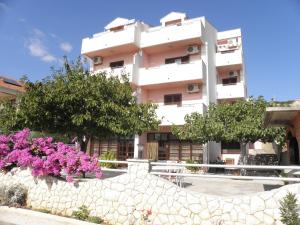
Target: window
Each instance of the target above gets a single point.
(229, 81)
(173, 22)
(230, 147)
(116, 64)
(174, 99)
(231, 73)
(179, 60)
(116, 29)
(157, 137)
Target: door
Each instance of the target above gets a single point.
(163, 150)
(294, 151)
(125, 150)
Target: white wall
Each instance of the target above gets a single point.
(121, 200)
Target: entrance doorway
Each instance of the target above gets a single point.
(294, 151)
(125, 150)
(163, 150)
(165, 146)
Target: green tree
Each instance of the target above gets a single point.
(241, 121)
(289, 210)
(72, 101)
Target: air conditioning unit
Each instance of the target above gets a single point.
(193, 88)
(233, 74)
(97, 60)
(222, 48)
(232, 43)
(193, 49)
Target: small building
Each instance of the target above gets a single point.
(10, 88)
(288, 117)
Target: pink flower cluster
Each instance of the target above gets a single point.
(44, 157)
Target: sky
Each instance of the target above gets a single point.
(35, 34)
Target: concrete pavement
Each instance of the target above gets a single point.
(228, 187)
(17, 216)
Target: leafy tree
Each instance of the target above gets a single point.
(241, 121)
(289, 210)
(73, 101)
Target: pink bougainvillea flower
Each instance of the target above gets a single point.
(45, 157)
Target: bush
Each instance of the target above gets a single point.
(289, 210)
(94, 219)
(15, 195)
(84, 214)
(192, 168)
(44, 157)
(109, 155)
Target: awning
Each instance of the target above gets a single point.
(281, 116)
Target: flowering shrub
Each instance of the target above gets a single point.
(44, 157)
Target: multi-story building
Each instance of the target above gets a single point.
(182, 65)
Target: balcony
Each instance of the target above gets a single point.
(228, 59)
(191, 29)
(169, 73)
(108, 42)
(174, 115)
(237, 90)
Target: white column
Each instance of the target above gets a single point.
(138, 93)
(136, 146)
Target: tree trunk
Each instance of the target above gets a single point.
(83, 143)
(83, 140)
(244, 152)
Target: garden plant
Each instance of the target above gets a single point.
(44, 157)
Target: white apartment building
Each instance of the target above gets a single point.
(182, 65)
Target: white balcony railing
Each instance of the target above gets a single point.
(127, 70)
(169, 73)
(174, 115)
(230, 58)
(237, 90)
(109, 39)
(162, 35)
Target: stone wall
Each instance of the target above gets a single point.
(122, 199)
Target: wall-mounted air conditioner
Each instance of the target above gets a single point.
(233, 74)
(227, 45)
(232, 43)
(97, 60)
(193, 49)
(193, 88)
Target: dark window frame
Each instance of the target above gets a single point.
(183, 60)
(173, 99)
(230, 148)
(117, 29)
(116, 64)
(229, 81)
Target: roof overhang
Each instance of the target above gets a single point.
(281, 116)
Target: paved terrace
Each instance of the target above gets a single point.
(221, 187)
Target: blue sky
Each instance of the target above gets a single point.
(35, 34)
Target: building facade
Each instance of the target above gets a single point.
(289, 117)
(10, 88)
(182, 65)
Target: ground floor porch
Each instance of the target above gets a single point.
(152, 145)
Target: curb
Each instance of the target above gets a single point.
(18, 216)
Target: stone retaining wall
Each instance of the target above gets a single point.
(122, 199)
